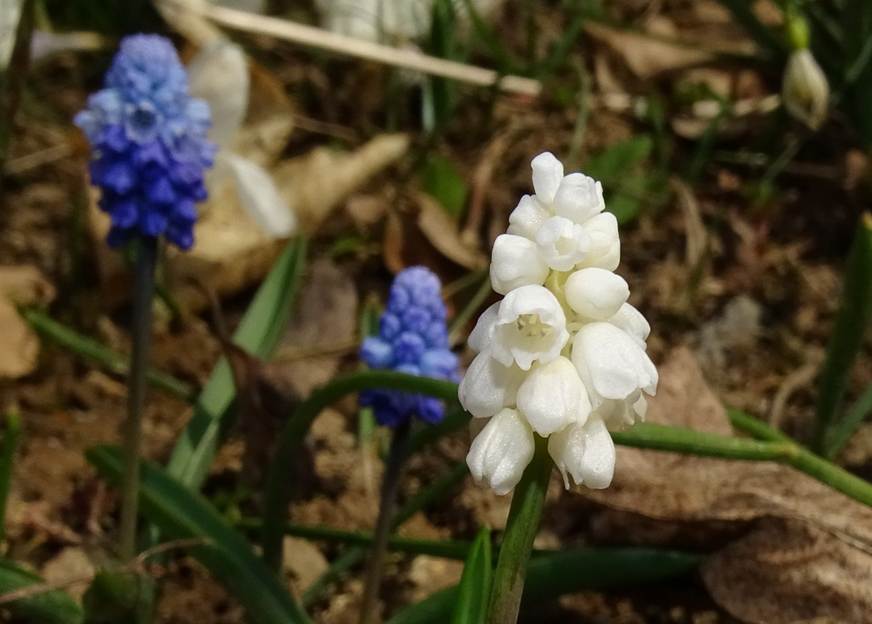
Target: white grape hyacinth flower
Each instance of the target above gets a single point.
(563, 354)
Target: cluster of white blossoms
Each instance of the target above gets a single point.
(562, 355)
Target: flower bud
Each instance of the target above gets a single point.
(631, 321)
(501, 451)
(488, 386)
(552, 396)
(595, 293)
(547, 175)
(611, 364)
(515, 262)
(585, 452)
(480, 336)
(579, 198)
(530, 327)
(805, 90)
(562, 243)
(605, 245)
(527, 217)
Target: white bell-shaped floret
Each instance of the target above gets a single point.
(219, 74)
(501, 451)
(527, 217)
(620, 415)
(631, 321)
(547, 175)
(579, 198)
(552, 396)
(488, 386)
(611, 364)
(480, 336)
(605, 244)
(562, 243)
(596, 294)
(530, 327)
(260, 197)
(584, 452)
(515, 262)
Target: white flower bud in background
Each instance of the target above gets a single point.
(611, 363)
(562, 243)
(552, 396)
(515, 261)
(584, 452)
(530, 327)
(488, 386)
(501, 451)
(595, 293)
(537, 374)
(805, 90)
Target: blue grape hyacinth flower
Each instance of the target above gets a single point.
(412, 339)
(149, 141)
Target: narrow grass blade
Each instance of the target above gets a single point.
(50, 607)
(88, 348)
(181, 514)
(475, 583)
(763, 36)
(854, 417)
(8, 446)
(853, 319)
(259, 333)
(550, 576)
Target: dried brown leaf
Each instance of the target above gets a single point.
(20, 285)
(443, 233)
(689, 489)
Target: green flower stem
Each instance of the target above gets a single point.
(93, 350)
(435, 492)
(521, 528)
(143, 293)
(390, 489)
(8, 446)
(291, 438)
(755, 427)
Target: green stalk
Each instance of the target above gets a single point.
(143, 285)
(95, 351)
(281, 471)
(521, 528)
(7, 458)
(390, 490)
(438, 490)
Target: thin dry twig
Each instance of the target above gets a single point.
(350, 46)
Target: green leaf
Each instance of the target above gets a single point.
(618, 168)
(181, 514)
(52, 607)
(443, 181)
(474, 587)
(846, 339)
(550, 576)
(259, 333)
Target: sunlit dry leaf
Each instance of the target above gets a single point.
(688, 489)
(20, 285)
(442, 232)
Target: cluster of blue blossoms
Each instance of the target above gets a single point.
(149, 140)
(412, 339)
